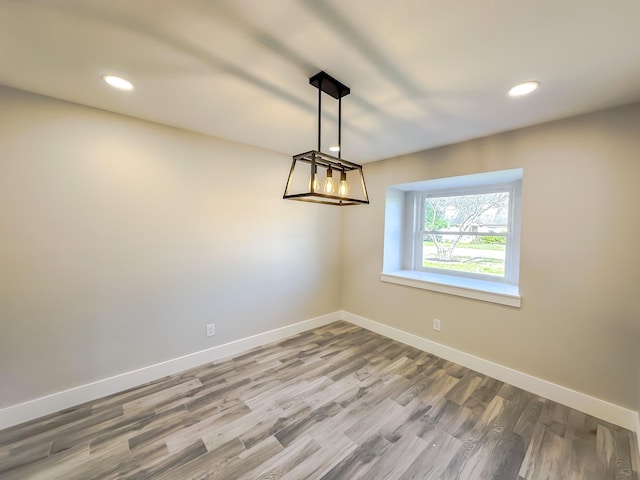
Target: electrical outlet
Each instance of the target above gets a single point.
(436, 324)
(211, 329)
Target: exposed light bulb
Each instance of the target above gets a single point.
(314, 180)
(328, 184)
(344, 189)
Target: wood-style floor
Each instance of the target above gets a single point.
(338, 402)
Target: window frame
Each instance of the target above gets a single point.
(512, 250)
(404, 213)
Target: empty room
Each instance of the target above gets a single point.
(319, 239)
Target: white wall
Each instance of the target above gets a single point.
(579, 324)
(121, 239)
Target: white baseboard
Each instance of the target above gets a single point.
(22, 412)
(602, 409)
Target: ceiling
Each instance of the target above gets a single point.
(422, 73)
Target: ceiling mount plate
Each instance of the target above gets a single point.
(329, 85)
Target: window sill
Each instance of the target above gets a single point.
(463, 287)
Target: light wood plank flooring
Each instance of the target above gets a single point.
(338, 402)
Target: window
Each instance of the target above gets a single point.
(458, 235)
(465, 233)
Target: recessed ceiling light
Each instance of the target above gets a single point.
(334, 149)
(118, 82)
(523, 88)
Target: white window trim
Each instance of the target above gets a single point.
(512, 253)
(402, 225)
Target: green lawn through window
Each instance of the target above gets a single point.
(483, 259)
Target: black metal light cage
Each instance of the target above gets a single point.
(306, 186)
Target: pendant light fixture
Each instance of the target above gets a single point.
(311, 178)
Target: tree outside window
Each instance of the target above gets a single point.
(466, 233)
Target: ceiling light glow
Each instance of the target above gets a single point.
(524, 88)
(334, 149)
(118, 82)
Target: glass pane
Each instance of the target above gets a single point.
(477, 254)
(483, 213)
